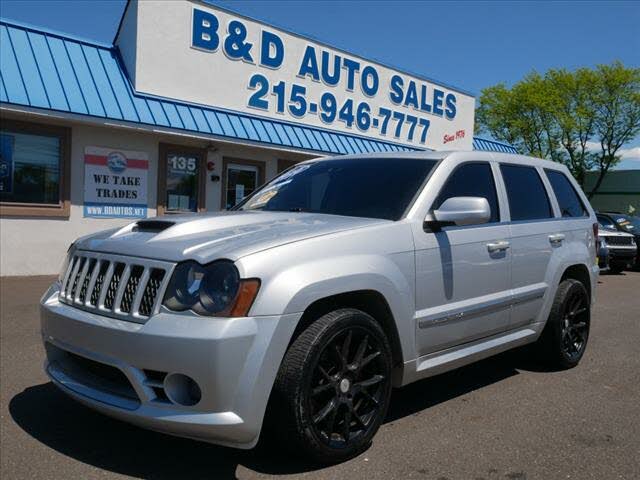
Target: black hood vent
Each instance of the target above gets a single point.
(153, 226)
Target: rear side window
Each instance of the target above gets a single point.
(471, 180)
(527, 196)
(568, 199)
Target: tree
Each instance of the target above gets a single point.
(573, 110)
(617, 105)
(559, 115)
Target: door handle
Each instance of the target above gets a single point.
(498, 246)
(557, 238)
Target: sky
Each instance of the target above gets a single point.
(470, 45)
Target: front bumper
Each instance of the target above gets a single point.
(233, 361)
(622, 255)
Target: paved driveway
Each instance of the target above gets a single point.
(503, 418)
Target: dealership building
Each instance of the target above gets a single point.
(190, 109)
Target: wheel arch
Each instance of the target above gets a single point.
(579, 272)
(371, 302)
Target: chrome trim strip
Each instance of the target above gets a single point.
(482, 308)
(528, 296)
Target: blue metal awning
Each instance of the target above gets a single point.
(485, 145)
(47, 70)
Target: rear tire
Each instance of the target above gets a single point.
(564, 339)
(333, 387)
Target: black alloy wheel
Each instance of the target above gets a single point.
(575, 324)
(565, 336)
(347, 387)
(333, 387)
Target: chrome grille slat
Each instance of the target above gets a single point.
(115, 285)
(67, 274)
(105, 285)
(81, 285)
(75, 277)
(141, 289)
(131, 287)
(152, 293)
(122, 284)
(92, 282)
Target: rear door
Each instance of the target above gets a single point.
(462, 280)
(535, 233)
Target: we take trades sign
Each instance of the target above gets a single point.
(115, 183)
(203, 54)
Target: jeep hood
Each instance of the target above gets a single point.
(207, 237)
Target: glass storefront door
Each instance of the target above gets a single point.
(241, 179)
(181, 180)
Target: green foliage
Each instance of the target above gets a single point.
(561, 115)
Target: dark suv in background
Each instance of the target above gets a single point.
(622, 223)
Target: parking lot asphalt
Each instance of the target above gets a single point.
(502, 418)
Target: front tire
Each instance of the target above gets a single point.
(333, 387)
(564, 339)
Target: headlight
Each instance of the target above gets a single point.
(213, 290)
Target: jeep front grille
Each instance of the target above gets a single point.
(114, 285)
(622, 241)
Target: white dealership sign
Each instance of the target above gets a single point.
(198, 53)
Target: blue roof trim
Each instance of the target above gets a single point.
(53, 33)
(483, 144)
(47, 70)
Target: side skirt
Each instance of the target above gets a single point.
(455, 357)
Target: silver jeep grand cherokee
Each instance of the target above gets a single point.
(338, 280)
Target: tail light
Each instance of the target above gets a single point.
(595, 237)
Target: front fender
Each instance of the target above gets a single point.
(294, 288)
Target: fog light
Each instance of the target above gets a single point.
(182, 389)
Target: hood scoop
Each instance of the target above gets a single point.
(151, 226)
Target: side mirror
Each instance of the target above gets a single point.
(461, 211)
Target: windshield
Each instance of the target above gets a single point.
(628, 223)
(358, 187)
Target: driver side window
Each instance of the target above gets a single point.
(471, 180)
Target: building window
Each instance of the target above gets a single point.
(34, 169)
(181, 179)
(240, 178)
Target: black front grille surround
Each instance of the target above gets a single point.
(115, 285)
